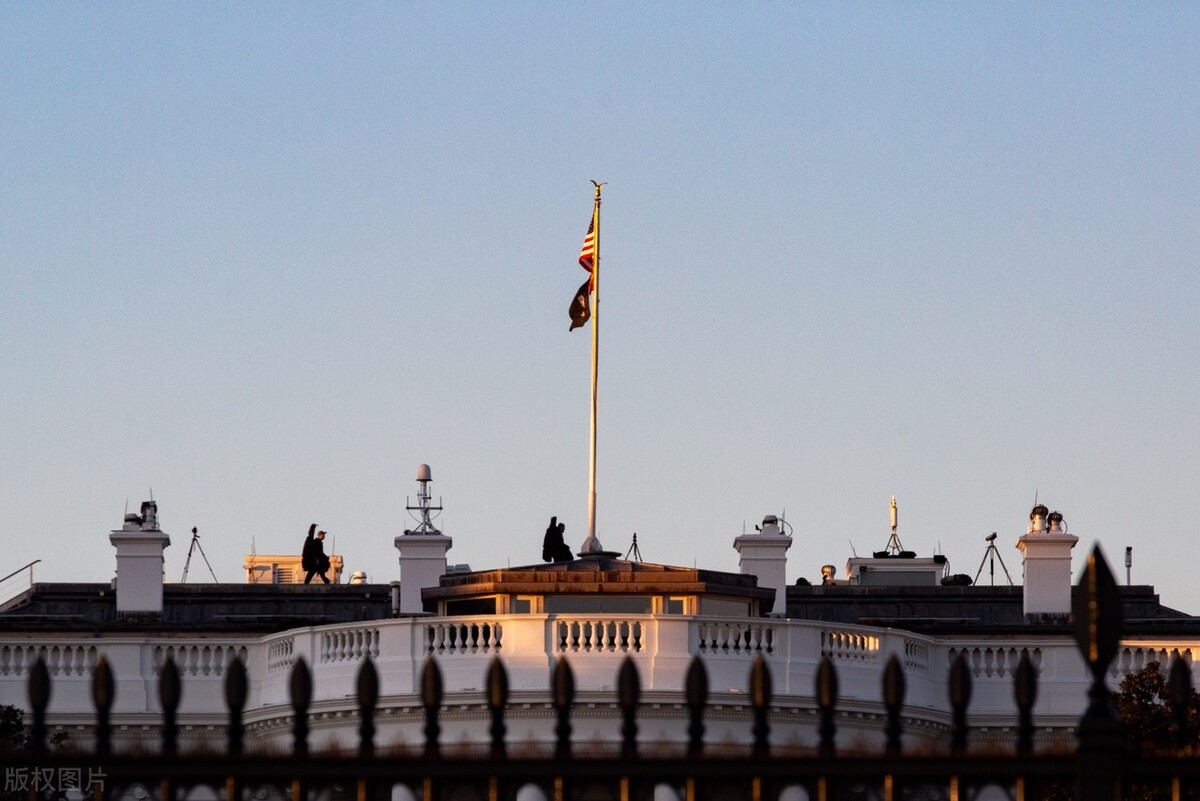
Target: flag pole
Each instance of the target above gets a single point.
(591, 538)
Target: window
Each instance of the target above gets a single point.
(611, 604)
(472, 606)
(675, 605)
(721, 607)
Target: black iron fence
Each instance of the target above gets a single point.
(1097, 767)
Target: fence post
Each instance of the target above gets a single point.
(431, 700)
(1097, 609)
(629, 692)
(827, 693)
(564, 697)
(236, 690)
(170, 691)
(39, 700)
(1025, 688)
(960, 697)
(893, 701)
(696, 691)
(103, 694)
(497, 699)
(563, 692)
(368, 695)
(1179, 690)
(760, 698)
(300, 686)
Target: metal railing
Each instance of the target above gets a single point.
(15, 586)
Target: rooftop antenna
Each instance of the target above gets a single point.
(635, 550)
(852, 548)
(425, 511)
(894, 547)
(992, 553)
(196, 546)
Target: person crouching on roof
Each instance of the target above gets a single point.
(313, 558)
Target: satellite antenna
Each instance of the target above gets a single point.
(634, 549)
(992, 553)
(425, 511)
(196, 546)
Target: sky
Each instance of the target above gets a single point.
(263, 260)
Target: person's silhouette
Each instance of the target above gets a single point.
(554, 548)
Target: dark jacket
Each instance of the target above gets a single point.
(311, 545)
(320, 560)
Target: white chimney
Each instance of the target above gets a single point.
(1046, 549)
(422, 549)
(764, 554)
(140, 545)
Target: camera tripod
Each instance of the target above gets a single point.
(994, 553)
(196, 546)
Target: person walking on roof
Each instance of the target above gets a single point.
(313, 558)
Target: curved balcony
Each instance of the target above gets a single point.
(660, 646)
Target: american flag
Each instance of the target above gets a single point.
(580, 309)
(588, 252)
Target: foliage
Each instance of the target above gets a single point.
(12, 729)
(15, 737)
(1144, 705)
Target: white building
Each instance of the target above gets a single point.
(593, 611)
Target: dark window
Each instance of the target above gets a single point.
(610, 604)
(720, 607)
(472, 606)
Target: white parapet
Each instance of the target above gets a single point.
(595, 646)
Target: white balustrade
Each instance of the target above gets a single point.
(350, 645)
(281, 654)
(198, 659)
(738, 637)
(846, 645)
(1132, 658)
(661, 646)
(65, 660)
(990, 661)
(457, 636)
(592, 635)
(916, 655)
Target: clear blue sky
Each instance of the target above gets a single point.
(268, 258)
